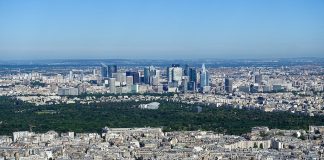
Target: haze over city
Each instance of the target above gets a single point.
(161, 29)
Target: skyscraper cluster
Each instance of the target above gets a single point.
(178, 79)
(107, 71)
(151, 76)
(188, 79)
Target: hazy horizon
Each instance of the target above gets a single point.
(184, 29)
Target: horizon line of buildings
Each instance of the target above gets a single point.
(176, 78)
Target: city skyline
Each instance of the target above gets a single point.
(160, 29)
(163, 79)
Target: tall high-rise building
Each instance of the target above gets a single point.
(112, 85)
(94, 72)
(71, 76)
(184, 83)
(192, 79)
(258, 78)
(193, 74)
(228, 85)
(104, 71)
(112, 69)
(174, 73)
(204, 77)
(169, 73)
(81, 75)
(186, 70)
(120, 77)
(177, 74)
(149, 73)
(136, 76)
(155, 79)
(129, 80)
(129, 73)
(192, 86)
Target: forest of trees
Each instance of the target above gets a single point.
(18, 116)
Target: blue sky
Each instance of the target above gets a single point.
(55, 29)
